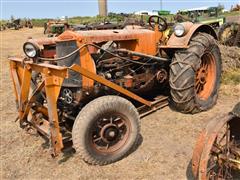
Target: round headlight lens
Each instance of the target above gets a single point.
(30, 50)
(179, 30)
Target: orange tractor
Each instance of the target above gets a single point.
(92, 87)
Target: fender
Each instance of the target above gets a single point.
(191, 29)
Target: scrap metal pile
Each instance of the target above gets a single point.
(16, 24)
(56, 27)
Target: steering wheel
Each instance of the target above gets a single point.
(161, 22)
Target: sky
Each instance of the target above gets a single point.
(70, 8)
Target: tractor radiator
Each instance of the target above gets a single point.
(64, 48)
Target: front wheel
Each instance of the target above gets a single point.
(106, 130)
(195, 75)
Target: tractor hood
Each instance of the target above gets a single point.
(97, 36)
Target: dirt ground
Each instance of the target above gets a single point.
(164, 152)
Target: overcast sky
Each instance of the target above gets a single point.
(59, 8)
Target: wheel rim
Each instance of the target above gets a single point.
(205, 77)
(220, 164)
(109, 133)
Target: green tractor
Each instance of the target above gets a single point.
(54, 28)
(228, 32)
(205, 15)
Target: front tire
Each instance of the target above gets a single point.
(195, 75)
(105, 130)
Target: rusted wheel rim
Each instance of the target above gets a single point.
(205, 76)
(220, 165)
(110, 133)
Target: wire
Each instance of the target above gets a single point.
(134, 70)
(96, 46)
(64, 57)
(123, 58)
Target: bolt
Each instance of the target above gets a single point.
(111, 134)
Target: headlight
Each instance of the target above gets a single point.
(179, 30)
(30, 49)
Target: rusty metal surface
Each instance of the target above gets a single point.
(213, 130)
(21, 71)
(128, 38)
(55, 70)
(110, 84)
(52, 87)
(182, 42)
(197, 152)
(63, 71)
(44, 41)
(88, 63)
(204, 145)
(138, 43)
(158, 103)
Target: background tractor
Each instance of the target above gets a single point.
(2, 27)
(54, 28)
(14, 24)
(206, 15)
(228, 32)
(93, 86)
(217, 152)
(28, 23)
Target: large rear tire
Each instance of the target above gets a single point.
(195, 75)
(105, 130)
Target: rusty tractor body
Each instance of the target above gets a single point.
(217, 151)
(14, 24)
(92, 87)
(2, 27)
(28, 23)
(54, 28)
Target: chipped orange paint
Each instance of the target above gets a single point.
(190, 30)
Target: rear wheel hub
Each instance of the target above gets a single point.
(109, 133)
(205, 77)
